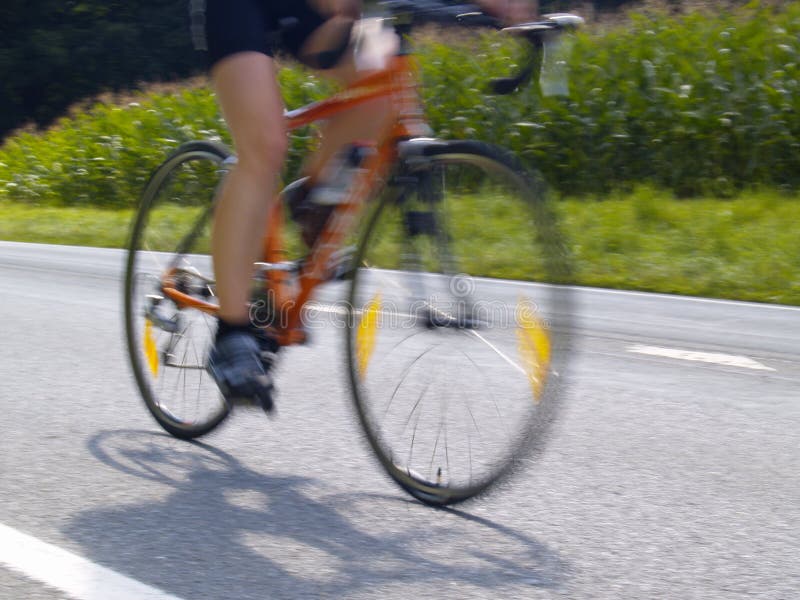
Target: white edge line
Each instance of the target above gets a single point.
(72, 574)
(499, 352)
(727, 360)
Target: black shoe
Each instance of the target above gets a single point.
(235, 363)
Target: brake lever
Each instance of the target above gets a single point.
(535, 34)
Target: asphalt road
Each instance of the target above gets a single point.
(673, 472)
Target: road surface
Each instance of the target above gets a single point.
(673, 472)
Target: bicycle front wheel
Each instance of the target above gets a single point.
(456, 321)
(168, 338)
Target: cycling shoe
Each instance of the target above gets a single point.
(235, 363)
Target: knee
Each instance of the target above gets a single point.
(263, 154)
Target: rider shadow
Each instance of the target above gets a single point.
(226, 531)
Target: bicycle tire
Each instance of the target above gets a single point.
(167, 343)
(440, 351)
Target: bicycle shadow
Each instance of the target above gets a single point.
(226, 531)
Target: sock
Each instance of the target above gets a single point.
(225, 327)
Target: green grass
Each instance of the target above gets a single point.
(745, 248)
(104, 228)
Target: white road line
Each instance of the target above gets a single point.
(498, 352)
(72, 574)
(728, 360)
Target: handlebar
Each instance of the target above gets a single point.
(407, 14)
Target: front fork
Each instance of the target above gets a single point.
(425, 223)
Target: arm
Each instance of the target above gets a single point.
(510, 11)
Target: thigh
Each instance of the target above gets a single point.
(248, 92)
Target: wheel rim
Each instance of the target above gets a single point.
(449, 406)
(168, 343)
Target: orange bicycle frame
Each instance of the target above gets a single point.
(398, 82)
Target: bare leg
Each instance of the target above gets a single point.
(251, 102)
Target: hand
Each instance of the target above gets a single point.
(511, 11)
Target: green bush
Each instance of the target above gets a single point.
(697, 104)
(103, 156)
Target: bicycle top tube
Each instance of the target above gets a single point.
(397, 80)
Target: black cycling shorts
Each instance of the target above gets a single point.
(226, 27)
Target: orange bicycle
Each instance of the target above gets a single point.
(456, 327)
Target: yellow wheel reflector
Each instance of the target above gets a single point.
(150, 349)
(365, 336)
(533, 343)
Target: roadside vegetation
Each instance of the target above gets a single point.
(676, 154)
(745, 248)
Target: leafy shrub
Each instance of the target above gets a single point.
(698, 104)
(103, 156)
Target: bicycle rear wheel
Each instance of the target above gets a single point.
(168, 341)
(455, 353)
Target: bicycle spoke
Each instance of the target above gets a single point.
(404, 375)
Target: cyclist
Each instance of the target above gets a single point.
(239, 37)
